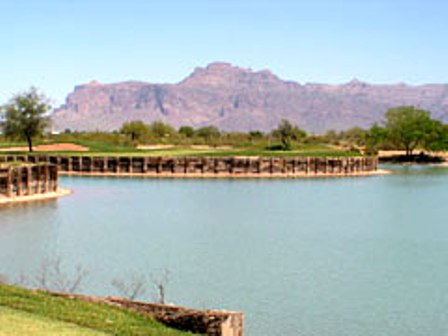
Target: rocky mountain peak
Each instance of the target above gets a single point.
(221, 73)
(93, 83)
(239, 99)
(356, 83)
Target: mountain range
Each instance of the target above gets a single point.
(238, 99)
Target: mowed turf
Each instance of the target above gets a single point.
(14, 322)
(105, 149)
(98, 317)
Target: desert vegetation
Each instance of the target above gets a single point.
(26, 122)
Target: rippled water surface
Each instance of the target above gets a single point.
(340, 257)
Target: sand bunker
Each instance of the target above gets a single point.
(61, 147)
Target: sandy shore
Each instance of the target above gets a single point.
(31, 198)
(228, 176)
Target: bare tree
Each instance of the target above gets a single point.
(133, 288)
(160, 283)
(51, 276)
(21, 280)
(137, 286)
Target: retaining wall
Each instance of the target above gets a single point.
(204, 322)
(28, 179)
(205, 166)
(208, 322)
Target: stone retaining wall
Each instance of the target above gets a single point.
(208, 322)
(205, 166)
(204, 322)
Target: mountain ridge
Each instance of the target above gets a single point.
(240, 99)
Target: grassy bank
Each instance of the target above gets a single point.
(15, 322)
(42, 312)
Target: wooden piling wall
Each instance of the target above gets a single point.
(204, 166)
(28, 179)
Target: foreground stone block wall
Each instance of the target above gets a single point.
(205, 166)
(208, 322)
(205, 322)
(28, 179)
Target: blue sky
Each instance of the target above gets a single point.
(56, 45)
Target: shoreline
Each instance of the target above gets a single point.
(36, 197)
(168, 175)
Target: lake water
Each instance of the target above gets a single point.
(341, 256)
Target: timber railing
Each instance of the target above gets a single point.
(28, 179)
(203, 166)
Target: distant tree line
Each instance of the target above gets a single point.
(25, 117)
(286, 134)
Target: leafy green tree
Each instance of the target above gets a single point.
(25, 116)
(186, 131)
(375, 137)
(409, 128)
(256, 134)
(288, 132)
(161, 130)
(208, 132)
(136, 130)
(441, 144)
(331, 137)
(355, 135)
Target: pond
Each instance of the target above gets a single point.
(325, 256)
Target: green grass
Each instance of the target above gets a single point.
(12, 144)
(14, 322)
(245, 152)
(95, 316)
(97, 148)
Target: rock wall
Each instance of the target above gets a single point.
(208, 322)
(204, 322)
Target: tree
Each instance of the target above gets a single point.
(288, 132)
(186, 131)
(133, 288)
(409, 128)
(208, 132)
(24, 116)
(355, 136)
(137, 286)
(256, 134)
(441, 144)
(136, 130)
(52, 275)
(161, 130)
(375, 137)
(331, 137)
